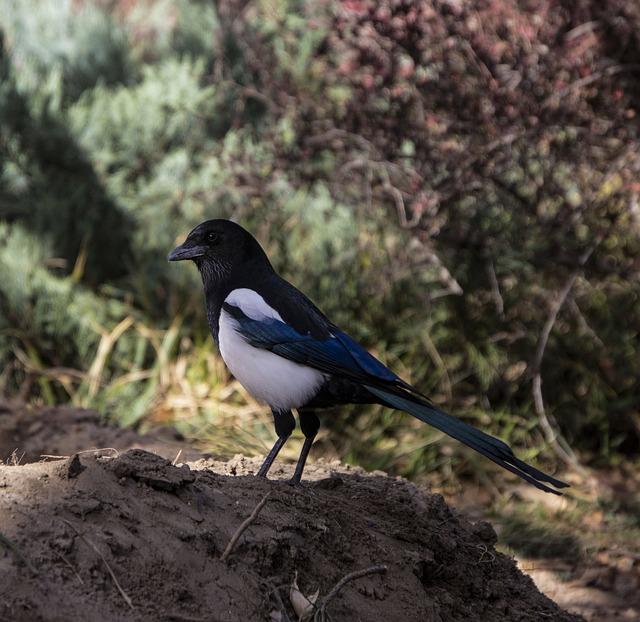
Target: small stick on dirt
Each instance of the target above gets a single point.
(243, 527)
(175, 460)
(321, 614)
(124, 595)
(68, 563)
(4, 541)
(13, 459)
(83, 451)
(549, 427)
(97, 449)
(485, 552)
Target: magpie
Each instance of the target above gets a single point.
(286, 353)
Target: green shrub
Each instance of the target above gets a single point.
(432, 175)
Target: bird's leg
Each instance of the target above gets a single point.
(285, 424)
(309, 424)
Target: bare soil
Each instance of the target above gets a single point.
(125, 536)
(26, 435)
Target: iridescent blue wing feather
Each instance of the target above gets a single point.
(338, 354)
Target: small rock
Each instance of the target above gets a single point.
(82, 507)
(329, 483)
(74, 467)
(151, 469)
(484, 530)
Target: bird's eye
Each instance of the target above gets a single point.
(213, 238)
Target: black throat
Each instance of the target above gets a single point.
(220, 280)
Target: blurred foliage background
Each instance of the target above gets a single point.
(456, 184)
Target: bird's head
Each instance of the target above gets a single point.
(218, 247)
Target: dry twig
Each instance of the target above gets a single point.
(486, 556)
(552, 435)
(70, 565)
(321, 613)
(236, 536)
(83, 451)
(495, 288)
(13, 459)
(91, 545)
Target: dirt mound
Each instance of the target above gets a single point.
(64, 430)
(133, 537)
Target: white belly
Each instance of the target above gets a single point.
(280, 383)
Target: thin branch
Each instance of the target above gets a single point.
(236, 536)
(555, 309)
(68, 563)
(495, 287)
(584, 325)
(88, 542)
(444, 276)
(83, 451)
(555, 97)
(552, 435)
(398, 199)
(551, 320)
(321, 614)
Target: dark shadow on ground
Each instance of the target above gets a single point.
(65, 202)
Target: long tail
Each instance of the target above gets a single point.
(487, 445)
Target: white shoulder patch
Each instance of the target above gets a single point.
(252, 304)
(270, 378)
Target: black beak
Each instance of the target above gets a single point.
(188, 250)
